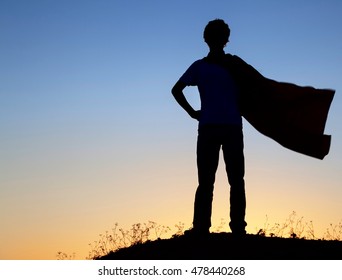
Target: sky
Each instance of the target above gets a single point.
(90, 134)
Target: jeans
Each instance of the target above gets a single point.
(210, 140)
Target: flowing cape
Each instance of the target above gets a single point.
(292, 115)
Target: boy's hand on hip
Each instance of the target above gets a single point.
(196, 114)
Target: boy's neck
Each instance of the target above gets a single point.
(216, 53)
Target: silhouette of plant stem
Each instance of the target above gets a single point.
(119, 238)
(334, 232)
(180, 229)
(221, 226)
(295, 227)
(63, 256)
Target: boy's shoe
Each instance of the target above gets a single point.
(239, 234)
(238, 229)
(196, 233)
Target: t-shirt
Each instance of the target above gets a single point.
(218, 93)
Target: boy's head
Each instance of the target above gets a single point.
(216, 34)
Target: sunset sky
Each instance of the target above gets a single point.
(90, 134)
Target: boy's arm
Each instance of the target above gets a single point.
(177, 92)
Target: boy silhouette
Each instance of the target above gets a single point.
(220, 126)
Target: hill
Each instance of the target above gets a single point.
(219, 246)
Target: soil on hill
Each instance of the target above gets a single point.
(224, 246)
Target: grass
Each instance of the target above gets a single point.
(118, 239)
(296, 227)
(293, 227)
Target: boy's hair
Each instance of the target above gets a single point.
(216, 32)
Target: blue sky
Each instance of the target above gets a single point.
(90, 134)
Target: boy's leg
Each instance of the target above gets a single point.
(208, 149)
(235, 167)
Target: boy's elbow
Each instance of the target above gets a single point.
(174, 90)
(177, 89)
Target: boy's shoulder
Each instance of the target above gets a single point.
(197, 63)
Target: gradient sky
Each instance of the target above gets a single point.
(90, 134)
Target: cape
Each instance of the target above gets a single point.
(292, 115)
